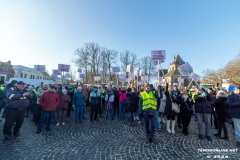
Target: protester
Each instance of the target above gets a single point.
(109, 99)
(234, 112)
(148, 106)
(175, 93)
(62, 107)
(212, 93)
(132, 106)
(33, 101)
(78, 104)
(38, 108)
(49, 102)
(203, 111)
(84, 90)
(186, 110)
(116, 102)
(171, 115)
(162, 104)
(122, 103)
(17, 102)
(221, 106)
(94, 100)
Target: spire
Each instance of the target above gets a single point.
(177, 60)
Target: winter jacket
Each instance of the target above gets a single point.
(49, 101)
(16, 100)
(94, 97)
(221, 107)
(186, 108)
(122, 96)
(202, 105)
(168, 108)
(79, 99)
(234, 105)
(64, 102)
(133, 99)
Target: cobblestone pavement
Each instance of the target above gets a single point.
(107, 139)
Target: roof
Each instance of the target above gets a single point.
(171, 73)
(178, 60)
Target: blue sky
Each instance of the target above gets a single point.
(205, 33)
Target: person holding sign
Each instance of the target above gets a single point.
(171, 115)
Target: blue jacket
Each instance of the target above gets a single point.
(79, 99)
(234, 105)
(16, 100)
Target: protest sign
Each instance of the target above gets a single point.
(185, 69)
(63, 67)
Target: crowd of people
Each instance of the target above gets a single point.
(154, 107)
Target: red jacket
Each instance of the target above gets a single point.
(64, 101)
(49, 101)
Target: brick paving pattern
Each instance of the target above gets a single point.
(107, 140)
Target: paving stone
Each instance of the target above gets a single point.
(109, 140)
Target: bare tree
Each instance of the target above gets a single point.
(127, 58)
(147, 66)
(82, 60)
(110, 57)
(93, 50)
(230, 71)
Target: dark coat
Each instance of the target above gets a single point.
(16, 100)
(168, 108)
(202, 105)
(186, 108)
(234, 105)
(64, 102)
(133, 99)
(221, 107)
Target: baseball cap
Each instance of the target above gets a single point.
(20, 83)
(14, 81)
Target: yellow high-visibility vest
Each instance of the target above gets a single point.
(149, 100)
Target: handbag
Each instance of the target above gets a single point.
(175, 107)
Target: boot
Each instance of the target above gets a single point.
(168, 126)
(173, 126)
(163, 119)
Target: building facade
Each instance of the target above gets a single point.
(173, 74)
(6, 70)
(30, 73)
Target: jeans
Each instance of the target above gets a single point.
(139, 114)
(49, 115)
(122, 110)
(236, 123)
(203, 118)
(61, 114)
(222, 125)
(79, 113)
(130, 117)
(157, 121)
(84, 111)
(149, 125)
